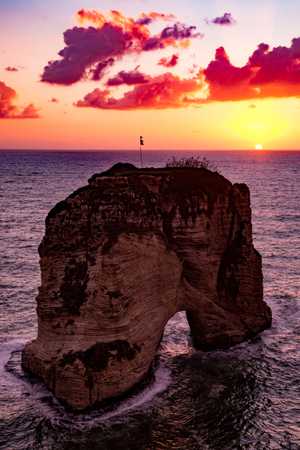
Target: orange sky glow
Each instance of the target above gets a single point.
(184, 78)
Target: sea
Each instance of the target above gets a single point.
(247, 397)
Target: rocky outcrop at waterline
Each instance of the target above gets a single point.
(121, 256)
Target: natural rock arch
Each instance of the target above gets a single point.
(121, 256)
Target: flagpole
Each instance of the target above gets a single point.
(141, 153)
(141, 157)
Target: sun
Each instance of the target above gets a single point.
(258, 147)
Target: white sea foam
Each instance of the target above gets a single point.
(54, 410)
(162, 381)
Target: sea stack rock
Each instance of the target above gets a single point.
(121, 256)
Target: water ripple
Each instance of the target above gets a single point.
(243, 398)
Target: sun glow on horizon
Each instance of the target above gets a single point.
(259, 147)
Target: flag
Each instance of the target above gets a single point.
(141, 140)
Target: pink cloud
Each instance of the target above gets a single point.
(163, 91)
(8, 110)
(11, 69)
(268, 73)
(281, 64)
(225, 80)
(169, 62)
(89, 51)
(147, 19)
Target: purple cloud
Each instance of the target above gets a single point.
(226, 20)
(89, 51)
(85, 47)
(129, 78)
(99, 70)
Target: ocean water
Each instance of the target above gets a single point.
(245, 398)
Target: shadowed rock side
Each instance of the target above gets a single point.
(121, 256)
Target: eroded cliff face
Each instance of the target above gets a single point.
(121, 256)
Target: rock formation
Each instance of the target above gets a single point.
(121, 256)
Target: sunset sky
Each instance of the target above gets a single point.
(186, 75)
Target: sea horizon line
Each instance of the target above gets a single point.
(87, 150)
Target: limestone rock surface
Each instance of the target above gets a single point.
(121, 256)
